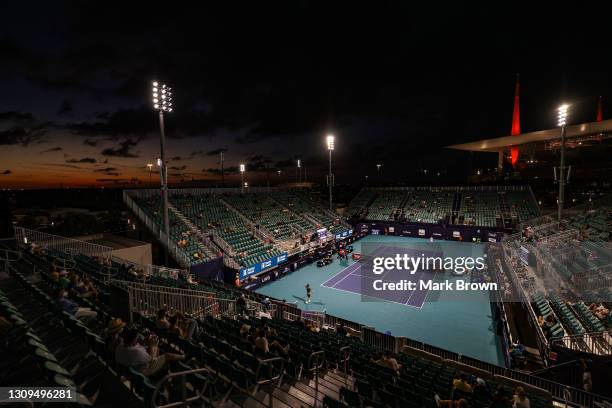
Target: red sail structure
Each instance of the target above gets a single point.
(599, 110)
(516, 123)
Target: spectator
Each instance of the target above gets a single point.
(520, 399)
(72, 308)
(261, 342)
(241, 305)
(90, 289)
(112, 335)
(162, 321)
(59, 281)
(462, 384)
(390, 362)
(132, 354)
(461, 403)
(587, 380)
(175, 327)
(500, 399)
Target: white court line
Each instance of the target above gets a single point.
(361, 294)
(372, 297)
(344, 270)
(336, 275)
(413, 292)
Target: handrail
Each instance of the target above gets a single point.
(345, 353)
(5, 256)
(273, 378)
(553, 367)
(199, 394)
(318, 364)
(270, 363)
(595, 342)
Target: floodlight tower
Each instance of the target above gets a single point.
(162, 102)
(242, 169)
(150, 167)
(298, 171)
(561, 122)
(331, 141)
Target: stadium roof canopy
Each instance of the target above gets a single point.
(502, 143)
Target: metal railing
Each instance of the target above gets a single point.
(596, 343)
(27, 237)
(344, 357)
(198, 393)
(147, 299)
(7, 256)
(316, 362)
(275, 367)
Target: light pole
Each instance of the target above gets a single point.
(298, 171)
(222, 175)
(150, 166)
(561, 121)
(242, 169)
(162, 102)
(330, 177)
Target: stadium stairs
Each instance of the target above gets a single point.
(209, 251)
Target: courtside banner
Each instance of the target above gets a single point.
(262, 266)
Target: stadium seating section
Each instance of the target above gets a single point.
(486, 207)
(255, 226)
(54, 348)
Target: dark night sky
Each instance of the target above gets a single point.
(267, 80)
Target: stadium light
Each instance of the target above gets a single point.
(331, 141)
(298, 171)
(162, 102)
(242, 169)
(562, 114)
(150, 166)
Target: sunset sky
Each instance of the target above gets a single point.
(265, 81)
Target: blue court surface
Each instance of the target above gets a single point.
(450, 322)
(355, 279)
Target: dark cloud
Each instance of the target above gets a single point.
(69, 166)
(6, 172)
(21, 136)
(90, 142)
(178, 168)
(226, 171)
(285, 163)
(109, 171)
(53, 149)
(66, 108)
(216, 151)
(175, 159)
(123, 122)
(124, 149)
(83, 160)
(258, 163)
(15, 116)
